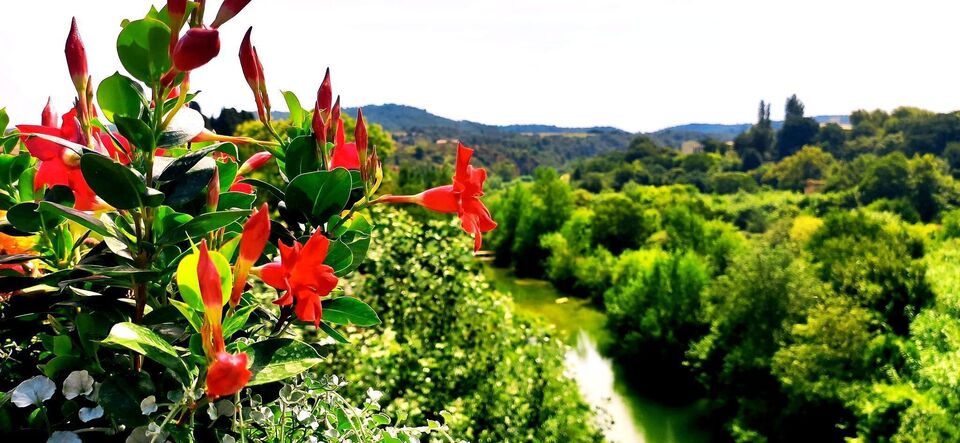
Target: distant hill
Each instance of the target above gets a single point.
(421, 135)
(675, 135)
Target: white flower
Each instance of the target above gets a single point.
(374, 394)
(64, 437)
(77, 383)
(87, 414)
(148, 405)
(33, 391)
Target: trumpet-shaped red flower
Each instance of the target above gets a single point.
(226, 373)
(344, 154)
(302, 274)
(59, 164)
(256, 232)
(228, 10)
(76, 58)
(196, 48)
(462, 197)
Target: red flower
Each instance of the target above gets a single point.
(60, 165)
(344, 154)
(302, 274)
(197, 47)
(226, 373)
(228, 10)
(241, 187)
(462, 197)
(76, 58)
(256, 232)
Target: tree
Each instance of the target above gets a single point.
(831, 138)
(793, 171)
(797, 130)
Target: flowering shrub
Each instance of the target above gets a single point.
(127, 253)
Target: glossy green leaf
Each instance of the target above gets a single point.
(333, 333)
(4, 120)
(279, 359)
(302, 157)
(181, 165)
(185, 126)
(319, 195)
(116, 184)
(79, 217)
(264, 186)
(188, 282)
(202, 224)
(238, 320)
(349, 310)
(193, 317)
(296, 110)
(26, 217)
(136, 132)
(118, 95)
(144, 49)
(146, 342)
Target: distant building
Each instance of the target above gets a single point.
(813, 186)
(691, 147)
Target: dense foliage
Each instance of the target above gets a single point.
(794, 317)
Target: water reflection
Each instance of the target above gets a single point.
(595, 376)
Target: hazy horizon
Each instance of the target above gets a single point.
(632, 65)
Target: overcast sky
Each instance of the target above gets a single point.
(636, 64)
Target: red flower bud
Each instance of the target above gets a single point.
(213, 191)
(76, 58)
(325, 94)
(319, 126)
(227, 374)
(228, 10)
(197, 47)
(360, 134)
(209, 279)
(256, 161)
(248, 62)
(176, 9)
(49, 116)
(256, 232)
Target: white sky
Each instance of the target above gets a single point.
(634, 64)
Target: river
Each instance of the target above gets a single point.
(625, 416)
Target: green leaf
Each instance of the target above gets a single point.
(118, 95)
(4, 120)
(279, 359)
(349, 310)
(202, 224)
(228, 173)
(188, 282)
(184, 163)
(185, 126)
(144, 49)
(302, 157)
(189, 186)
(319, 195)
(238, 320)
(333, 333)
(24, 217)
(137, 132)
(192, 316)
(79, 217)
(262, 185)
(146, 342)
(116, 184)
(296, 110)
(235, 200)
(12, 167)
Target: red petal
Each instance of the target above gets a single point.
(256, 232)
(440, 199)
(273, 275)
(227, 375)
(345, 156)
(463, 160)
(209, 278)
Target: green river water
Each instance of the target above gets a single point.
(626, 416)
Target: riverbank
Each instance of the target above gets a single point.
(631, 417)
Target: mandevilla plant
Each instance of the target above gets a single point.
(130, 236)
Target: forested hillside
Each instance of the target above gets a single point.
(799, 282)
